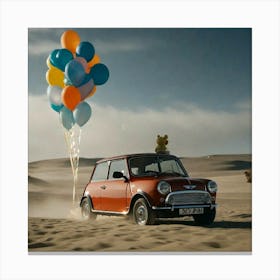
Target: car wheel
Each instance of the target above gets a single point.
(86, 211)
(207, 218)
(142, 213)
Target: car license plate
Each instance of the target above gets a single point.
(190, 211)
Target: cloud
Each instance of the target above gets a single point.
(123, 45)
(192, 131)
(42, 41)
(42, 47)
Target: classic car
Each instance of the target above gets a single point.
(148, 187)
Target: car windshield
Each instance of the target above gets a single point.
(156, 165)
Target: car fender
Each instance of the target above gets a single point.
(140, 194)
(89, 201)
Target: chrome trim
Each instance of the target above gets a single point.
(185, 206)
(110, 212)
(177, 193)
(211, 181)
(189, 187)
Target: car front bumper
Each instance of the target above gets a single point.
(174, 210)
(173, 207)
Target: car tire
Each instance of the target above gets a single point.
(142, 213)
(86, 211)
(207, 218)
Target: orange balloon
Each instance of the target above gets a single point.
(71, 97)
(95, 60)
(92, 92)
(70, 39)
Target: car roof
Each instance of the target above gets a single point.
(133, 155)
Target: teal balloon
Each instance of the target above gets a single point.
(60, 57)
(85, 50)
(53, 59)
(75, 72)
(56, 108)
(100, 74)
(63, 56)
(66, 118)
(82, 113)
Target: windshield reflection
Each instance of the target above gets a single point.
(156, 166)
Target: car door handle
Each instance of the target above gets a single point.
(103, 187)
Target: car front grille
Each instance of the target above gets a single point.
(188, 197)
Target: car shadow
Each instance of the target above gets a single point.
(217, 224)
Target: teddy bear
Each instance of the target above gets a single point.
(248, 175)
(162, 141)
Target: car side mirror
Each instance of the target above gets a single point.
(118, 175)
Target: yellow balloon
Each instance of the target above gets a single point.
(55, 77)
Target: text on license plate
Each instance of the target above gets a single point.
(190, 211)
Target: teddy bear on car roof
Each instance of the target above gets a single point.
(162, 141)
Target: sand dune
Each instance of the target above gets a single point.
(55, 224)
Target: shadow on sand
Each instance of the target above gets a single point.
(238, 165)
(218, 224)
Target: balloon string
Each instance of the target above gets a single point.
(76, 154)
(73, 139)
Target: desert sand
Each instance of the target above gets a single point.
(55, 225)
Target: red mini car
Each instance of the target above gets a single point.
(148, 186)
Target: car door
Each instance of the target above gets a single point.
(114, 195)
(98, 183)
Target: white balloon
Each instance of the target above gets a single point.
(54, 95)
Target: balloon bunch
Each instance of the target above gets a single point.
(74, 72)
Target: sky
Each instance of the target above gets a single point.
(194, 84)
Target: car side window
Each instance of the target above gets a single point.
(100, 172)
(118, 165)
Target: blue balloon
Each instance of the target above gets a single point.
(67, 82)
(66, 118)
(82, 113)
(100, 74)
(56, 108)
(85, 50)
(86, 79)
(75, 72)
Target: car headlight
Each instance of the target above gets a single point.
(212, 186)
(163, 187)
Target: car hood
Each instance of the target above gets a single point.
(187, 183)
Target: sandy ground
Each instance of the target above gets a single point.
(54, 223)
